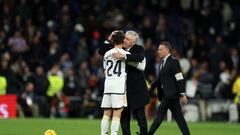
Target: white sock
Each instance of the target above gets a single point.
(115, 125)
(104, 125)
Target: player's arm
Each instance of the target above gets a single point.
(137, 54)
(135, 59)
(139, 65)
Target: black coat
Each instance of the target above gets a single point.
(137, 92)
(104, 48)
(166, 83)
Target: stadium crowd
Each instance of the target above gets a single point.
(51, 46)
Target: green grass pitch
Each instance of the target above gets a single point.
(92, 127)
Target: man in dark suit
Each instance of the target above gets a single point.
(171, 87)
(137, 93)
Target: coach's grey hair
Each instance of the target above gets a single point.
(133, 34)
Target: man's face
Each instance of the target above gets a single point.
(128, 42)
(163, 51)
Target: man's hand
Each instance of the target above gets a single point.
(184, 100)
(118, 55)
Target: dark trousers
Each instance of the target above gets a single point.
(141, 119)
(176, 110)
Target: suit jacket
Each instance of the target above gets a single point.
(167, 84)
(137, 93)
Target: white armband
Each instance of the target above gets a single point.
(179, 76)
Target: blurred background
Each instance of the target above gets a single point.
(49, 61)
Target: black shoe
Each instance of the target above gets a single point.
(149, 134)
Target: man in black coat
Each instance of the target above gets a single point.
(137, 93)
(171, 87)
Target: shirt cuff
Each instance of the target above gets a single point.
(183, 94)
(125, 56)
(107, 42)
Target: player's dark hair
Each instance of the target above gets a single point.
(166, 44)
(118, 37)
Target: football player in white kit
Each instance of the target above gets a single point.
(114, 98)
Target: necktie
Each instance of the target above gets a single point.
(162, 62)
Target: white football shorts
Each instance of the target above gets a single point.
(114, 101)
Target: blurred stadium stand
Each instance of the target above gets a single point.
(61, 38)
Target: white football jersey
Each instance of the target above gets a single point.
(115, 72)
